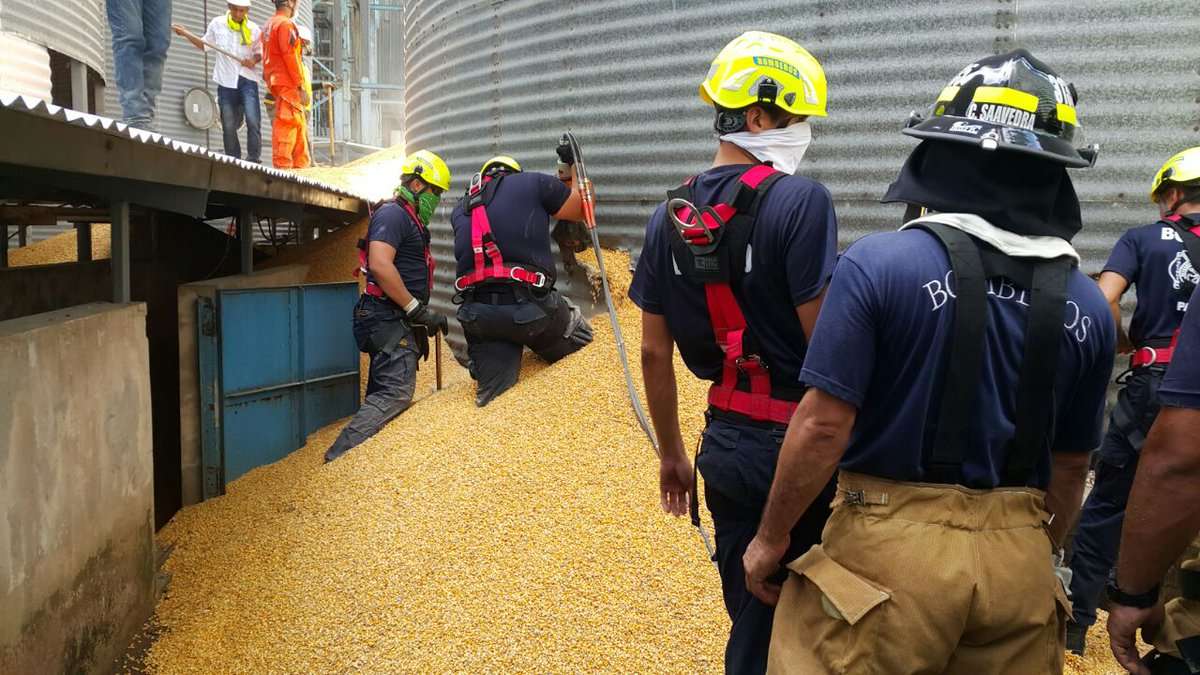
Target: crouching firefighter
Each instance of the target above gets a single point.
(732, 271)
(505, 278)
(393, 322)
(1164, 515)
(957, 377)
(1160, 259)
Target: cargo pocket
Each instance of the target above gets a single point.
(1058, 637)
(834, 610)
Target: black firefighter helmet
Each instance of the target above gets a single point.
(1010, 101)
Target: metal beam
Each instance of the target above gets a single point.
(120, 252)
(22, 235)
(246, 237)
(3, 245)
(79, 86)
(83, 242)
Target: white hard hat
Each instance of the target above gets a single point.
(239, 3)
(305, 33)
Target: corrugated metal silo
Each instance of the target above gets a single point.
(489, 77)
(70, 27)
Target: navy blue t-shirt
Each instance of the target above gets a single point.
(880, 344)
(1181, 385)
(1152, 258)
(791, 257)
(519, 214)
(391, 224)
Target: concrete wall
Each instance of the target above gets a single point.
(76, 488)
(192, 474)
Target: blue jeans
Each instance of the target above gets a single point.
(737, 462)
(1099, 533)
(236, 105)
(141, 34)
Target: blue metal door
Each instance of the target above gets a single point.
(276, 364)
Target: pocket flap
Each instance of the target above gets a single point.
(849, 593)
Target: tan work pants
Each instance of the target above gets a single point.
(1182, 619)
(918, 578)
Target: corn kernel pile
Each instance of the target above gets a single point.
(61, 248)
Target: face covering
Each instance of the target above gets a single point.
(425, 203)
(242, 27)
(781, 148)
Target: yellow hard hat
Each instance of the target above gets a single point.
(429, 167)
(1183, 168)
(794, 79)
(501, 160)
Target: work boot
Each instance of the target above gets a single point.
(1076, 638)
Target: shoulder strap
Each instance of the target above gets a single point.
(1032, 436)
(1191, 242)
(943, 463)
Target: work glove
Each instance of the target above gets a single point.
(428, 319)
(565, 155)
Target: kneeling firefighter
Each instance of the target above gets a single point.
(957, 379)
(732, 272)
(1161, 260)
(392, 320)
(505, 278)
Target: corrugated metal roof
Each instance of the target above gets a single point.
(25, 104)
(484, 76)
(71, 27)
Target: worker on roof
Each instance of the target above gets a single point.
(233, 33)
(141, 36)
(283, 71)
(1161, 260)
(957, 379)
(738, 289)
(1163, 516)
(306, 42)
(393, 321)
(506, 273)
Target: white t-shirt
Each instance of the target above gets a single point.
(226, 70)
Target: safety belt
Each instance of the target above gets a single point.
(973, 263)
(489, 263)
(711, 248)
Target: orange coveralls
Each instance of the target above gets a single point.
(284, 77)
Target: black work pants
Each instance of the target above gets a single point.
(737, 462)
(500, 321)
(382, 332)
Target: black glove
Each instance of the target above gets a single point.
(430, 320)
(565, 155)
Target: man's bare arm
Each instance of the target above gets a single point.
(1068, 472)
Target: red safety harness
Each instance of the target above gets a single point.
(703, 237)
(373, 289)
(489, 263)
(1147, 355)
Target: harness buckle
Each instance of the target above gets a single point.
(459, 285)
(741, 361)
(538, 276)
(477, 249)
(677, 203)
(476, 184)
(1151, 361)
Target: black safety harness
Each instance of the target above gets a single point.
(973, 262)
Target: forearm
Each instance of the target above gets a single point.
(1163, 514)
(808, 459)
(662, 397)
(1123, 342)
(1065, 492)
(388, 278)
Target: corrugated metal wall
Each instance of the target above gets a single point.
(24, 67)
(508, 76)
(188, 67)
(62, 25)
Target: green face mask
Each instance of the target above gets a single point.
(425, 203)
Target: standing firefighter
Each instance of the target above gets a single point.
(964, 362)
(1164, 514)
(1161, 260)
(393, 322)
(283, 71)
(738, 288)
(505, 278)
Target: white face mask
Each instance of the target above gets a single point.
(782, 148)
